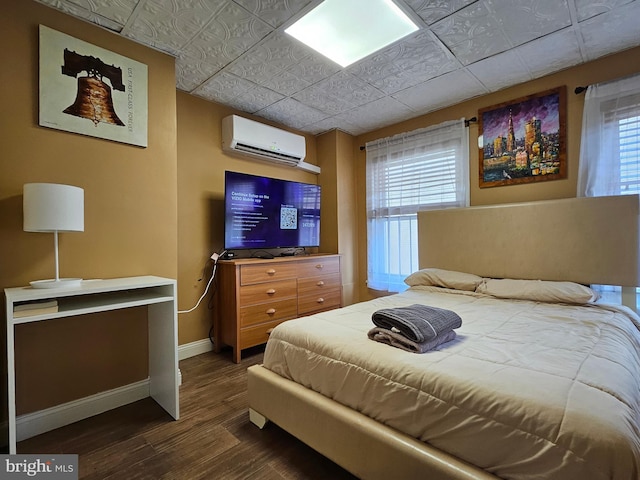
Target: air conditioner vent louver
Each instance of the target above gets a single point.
(275, 155)
(241, 136)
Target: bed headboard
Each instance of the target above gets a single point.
(591, 240)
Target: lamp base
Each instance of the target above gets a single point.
(60, 283)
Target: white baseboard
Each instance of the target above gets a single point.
(32, 424)
(194, 348)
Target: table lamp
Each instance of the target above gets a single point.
(50, 207)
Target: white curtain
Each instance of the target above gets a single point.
(424, 169)
(610, 147)
(610, 143)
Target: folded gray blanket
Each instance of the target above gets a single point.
(419, 323)
(398, 340)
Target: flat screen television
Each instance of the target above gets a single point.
(263, 213)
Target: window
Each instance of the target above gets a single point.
(610, 146)
(406, 173)
(629, 138)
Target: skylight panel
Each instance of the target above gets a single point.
(346, 31)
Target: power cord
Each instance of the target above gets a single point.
(214, 256)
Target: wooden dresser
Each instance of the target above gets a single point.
(254, 295)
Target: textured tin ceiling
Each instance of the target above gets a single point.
(235, 52)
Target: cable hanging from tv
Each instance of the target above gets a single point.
(214, 257)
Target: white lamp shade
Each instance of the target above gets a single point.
(51, 207)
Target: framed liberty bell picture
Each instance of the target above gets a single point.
(88, 90)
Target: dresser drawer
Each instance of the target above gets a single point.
(314, 267)
(319, 301)
(267, 292)
(257, 335)
(266, 272)
(313, 285)
(268, 312)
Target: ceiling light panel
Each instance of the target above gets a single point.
(347, 31)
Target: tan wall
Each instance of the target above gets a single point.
(608, 68)
(339, 205)
(130, 213)
(328, 155)
(201, 167)
(346, 220)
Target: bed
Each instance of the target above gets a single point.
(540, 382)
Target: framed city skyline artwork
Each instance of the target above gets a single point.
(523, 140)
(92, 91)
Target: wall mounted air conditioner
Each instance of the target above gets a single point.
(247, 138)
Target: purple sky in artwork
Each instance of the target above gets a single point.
(495, 123)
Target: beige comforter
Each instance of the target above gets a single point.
(527, 390)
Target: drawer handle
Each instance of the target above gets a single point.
(319, 266)
(271, 311)
(271, 291)
(320, 283)
(271, 271)
(320, 300)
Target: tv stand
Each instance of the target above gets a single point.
(263, 255)
(254, 295)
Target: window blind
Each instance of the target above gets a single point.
(406, 173)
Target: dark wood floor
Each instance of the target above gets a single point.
(212, 440)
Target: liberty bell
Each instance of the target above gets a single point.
(93, 98)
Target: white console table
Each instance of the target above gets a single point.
(93, 296)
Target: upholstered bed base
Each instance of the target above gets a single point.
(361, 445)
(584, 240)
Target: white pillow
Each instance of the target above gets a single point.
(443, 278)
(538, 290)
